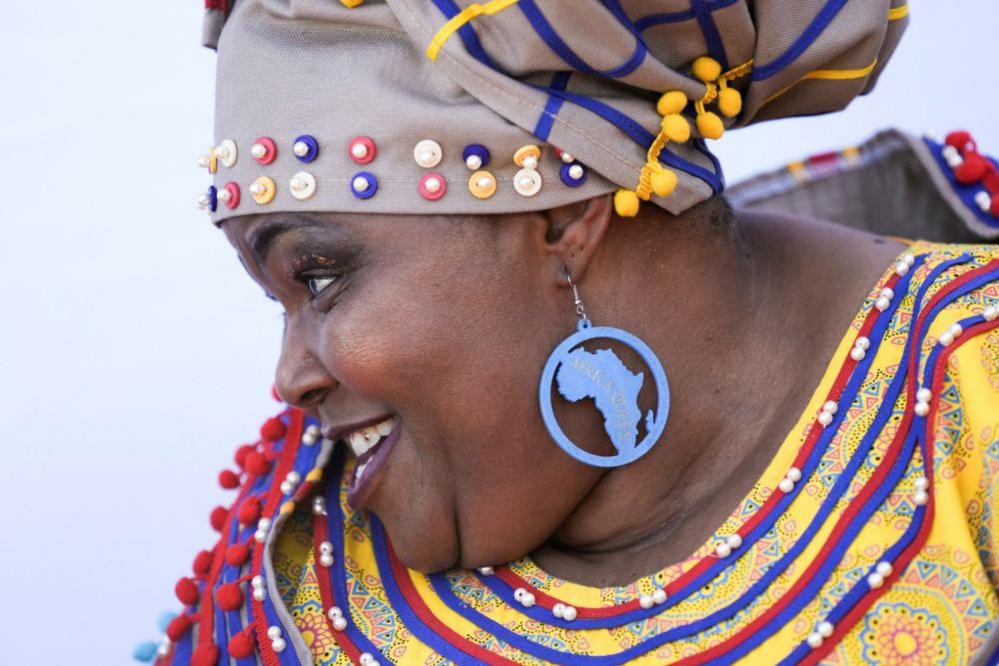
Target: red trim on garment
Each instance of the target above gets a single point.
(422, 611)
(322, 533)
(847, 622)
(856, 504)
(815, 432)
(296, 418)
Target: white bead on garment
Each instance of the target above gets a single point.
(646, 601)
(814, 639)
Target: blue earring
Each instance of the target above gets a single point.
(602, 376)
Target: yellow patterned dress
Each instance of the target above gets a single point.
(871, 538)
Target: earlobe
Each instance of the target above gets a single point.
(575, 231)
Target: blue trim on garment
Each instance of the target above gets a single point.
(467, 33)
(651, 20)
(547, 119)
(409, 618)
(716, 47)
(537, 19)
(639, 135)
(965, 192)
(702, 147)
(801, 44)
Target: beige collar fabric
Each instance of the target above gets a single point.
(519, 104)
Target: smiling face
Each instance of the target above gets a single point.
(441, 325)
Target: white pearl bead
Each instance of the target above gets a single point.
(734, 541)
(486, 571)
(485, 182)
(982, 198)
(527, 600)
(257, 189)
(830, 407)
(882, 304)
(359, 150)
(884, 568)
(558, 610)
(273, 632)
(659, 596)
(366, 657)
(225, 195)
(301, 148)
(530, 162)
(260, 536)
(360, 184)
(887, 293)
(646, 601)
(203, 201)
(875, 580)
(922, 483)
(567, 158)
(264, 524)
(164, 648)
(297, 184)
(257, 581)
(954, 161)
(814, 640)
(901, 268)
(794, 474)
(576, 172)
(222, 152)
(286, 488)
(990, 313)
(519, 593)
(786, 485)
(339, 623)
(825, 629)
(319, 506)
(909, 259)
(863, 342)
(924, 394)
(857, 354)
(922, 408)
(326, 560)
(473, 162)
(432, 184)
(258, 150)
(308, 439)
(723, 550)
(334, 612)
(526, 182)
(258, 593)
(921, 497)
(949, 151)
(326, 547)
(569, 614)
(278, 645)
(956, 329)
(825, 418)
(946, 338)
(203, 161)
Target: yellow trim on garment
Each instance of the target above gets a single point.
(827, 75)
(900, 12)
(460, 19)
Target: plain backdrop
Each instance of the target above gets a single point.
(135, 354)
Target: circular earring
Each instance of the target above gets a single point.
(600, 375)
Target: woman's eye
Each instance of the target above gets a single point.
(316, 285)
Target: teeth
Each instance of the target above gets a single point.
(364, 439)
(360, 470)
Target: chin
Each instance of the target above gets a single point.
(422, 551)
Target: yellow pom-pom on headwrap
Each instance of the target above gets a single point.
(671, 102)
(710, 125)
(626, 203)
(676, 127)
(729, 102)
(663, 182)
(706, 69)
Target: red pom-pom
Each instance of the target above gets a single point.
(206, 654)
(229, 597)
(959, 139)
(237, 554)
(273, 429)
(202, 563)
(972, 170)
(217, 519)
(187, 591)
(249, 511)
(228, 479)
(178, 627)
(257, 464)
(241, 454)
(241, 645)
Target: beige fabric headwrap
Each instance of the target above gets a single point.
(586, 77)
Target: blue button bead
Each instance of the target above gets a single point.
(567, 178)
(476, 150)
(144, 651)
(311, 145)
(368, 191)
(213, 198)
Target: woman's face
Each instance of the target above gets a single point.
(444, 325)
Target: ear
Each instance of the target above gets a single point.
(574, 233)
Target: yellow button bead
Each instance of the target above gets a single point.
(351, 3)
(663, 182)
(710, 125)
(527, 157)
(482, 184)
(730, 102)
(626, 203)
(263, 190)
(213, 161)
(706, 69)
(677, 128)
(672, 102)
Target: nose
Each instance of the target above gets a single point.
(300, 378)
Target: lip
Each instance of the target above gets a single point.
(358, 495)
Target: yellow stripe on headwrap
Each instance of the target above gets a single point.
(460, 19)
(826, 75)
(900, 12)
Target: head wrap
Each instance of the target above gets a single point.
(430, 106)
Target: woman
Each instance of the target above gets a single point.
(524, 404)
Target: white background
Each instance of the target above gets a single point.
(135, 354)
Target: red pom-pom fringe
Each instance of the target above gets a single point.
(241, 454)
(228, 479)
(202, 563)
(178, 627)
(187, 591)
(972, 170)
(237, 554)
(959, 139)
(257, 464)
(273, 429)
(249, 511)
(206, 654)
(217, 519)
(241, 645)
(229, 597)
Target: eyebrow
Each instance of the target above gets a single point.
(262, 238)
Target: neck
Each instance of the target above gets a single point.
(712, 304)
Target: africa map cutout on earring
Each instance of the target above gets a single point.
(601, 375)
